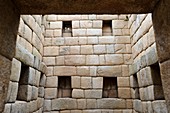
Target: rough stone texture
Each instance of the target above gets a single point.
(159, 106)
(111, 103)
(65, 103)
(15, 70)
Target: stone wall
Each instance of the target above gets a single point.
(97, 65)
(27, 79)
(145, 79)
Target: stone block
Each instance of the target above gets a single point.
(102, 59)
(50, 93)
(64, 104)
(34, 93)
(94, 32)
(82, 40)
(24, 92)
(125, 71)
(97, 82)
(91, 104)
(64, 70)
(93, 70)
(78, 93)
(123, 82)
(75, 50)
(99, 49)
(135, 93)
(86, 49)
(111, 103)
(151, 55)
(71, 41)
(93, 94)
(60, 60)
(137, 105)
(15, 70)
(7, 108)
(52, 82)
(114, 59)
(159, 106)
(75, 82)
(83, 71)
(75, 60)
(59, 41)
(92, 40)
(107, 40)
(65, 111)
(57, 33)
(55, 25)
(37, 78)
(41, 92)
(129, 104)
(28, 33)
(19, 107)
(86, 82)
(97, 23)
(119, 24)
(124, 93)
(49, 61)
(79, 32)
(92, 60)
(107, 17)
(64, 50)
(81, 103)
(75, 24)
(42, 80)
(47, 105)
(147, 107)
(120, 48)
(86, 24)
(109, 71)
(12, 91)
(110, 49)
(51, 17)
(51, 51)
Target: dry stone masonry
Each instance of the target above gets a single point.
(85, 64)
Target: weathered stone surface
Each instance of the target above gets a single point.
(114, 59)
(81, 103)
(65, 70)
(12, 91)
(75, 60)
(109, 71)
(78, 93)
(24, 92)
(50, 93)
(52, 82)
(86, 82)
(15, 70)
(47, 105)
(97, 82)
(91, 104)
(64, 104)
(159, 106)
(93, 93)
(111, 103)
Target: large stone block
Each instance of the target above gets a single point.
(99, 49)
(51, 51)
(12, 91)
(86, 49)
(47, 105)
(75, 82)
(78, 93)
(109, 71)
(91, 104)
(137, 105)
(111, 103)
(24, 92)
(159, 106)
(94, 32)
(86, 82)
(50, 93)
(114, 59)
(97, 82)
(92, 60)
(107, 40)
(81, 103)
(71, 40)
(92, 40)
(64, 104)
(75, 50)
(83, 71)
(86, 24)
(52, 82)
(64, 70)
(124, 93)
(15, 70)
(93, 93)
(75, 60)
(123, 82)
